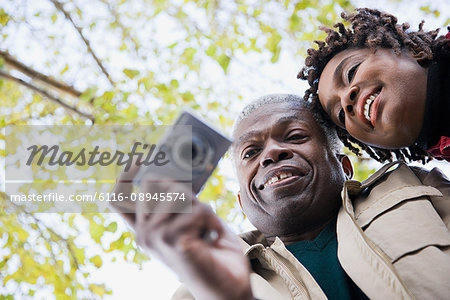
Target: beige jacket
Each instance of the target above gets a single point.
(393, 241)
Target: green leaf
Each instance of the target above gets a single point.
(88, 94)
(430, 11)
(273, 45)
(172, 45)
(4, 17)
(211, 51)
(64, 70)
(447, 22)
(97, 261)
(131, 73)
(188, 55)
(99, 289)
(96, 231)
(224, 61)
(112, 227)
(123, 47)
(3, 264)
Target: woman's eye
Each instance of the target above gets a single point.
(351, 73)
(341, 116)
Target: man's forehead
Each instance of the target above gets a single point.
(249, 133)
(276, 111)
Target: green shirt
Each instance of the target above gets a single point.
(320, 258)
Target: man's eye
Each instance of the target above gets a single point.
(294, 137)
(351, 73)
(341, 116)
(249, 153)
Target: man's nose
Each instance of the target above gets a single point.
(348, 99)
(275, 152)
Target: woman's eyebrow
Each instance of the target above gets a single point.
(340, 67)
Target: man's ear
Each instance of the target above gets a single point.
(239, 199)
(346, 166)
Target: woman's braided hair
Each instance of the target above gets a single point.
(372, 29)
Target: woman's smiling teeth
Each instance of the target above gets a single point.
(368, 105)
(278, 177)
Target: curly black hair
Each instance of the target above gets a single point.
(371, 28)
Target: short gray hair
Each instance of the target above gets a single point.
(329, 131)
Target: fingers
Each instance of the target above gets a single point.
(164, 196)
(122, 190)
(208, 267)
(156, 220)
(125, 182)
(177, 231)
(204, 228)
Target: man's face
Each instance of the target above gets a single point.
(378, 97)
(289, 178)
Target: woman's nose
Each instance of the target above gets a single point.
(349, 98)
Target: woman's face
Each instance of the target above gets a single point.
(376, 95)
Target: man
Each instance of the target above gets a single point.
(385, 239)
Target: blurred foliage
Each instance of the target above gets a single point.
(127, 62)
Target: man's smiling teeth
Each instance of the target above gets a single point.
(368, 105)
(280, 176)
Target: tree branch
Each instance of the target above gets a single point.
(33, 74)
(50, 230)
(58, 236)
(60, 7)
(125, 31)
(47, 95)
(59, 240)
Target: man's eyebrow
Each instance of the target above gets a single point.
(249, 135)
(246, 136)
(288, 119)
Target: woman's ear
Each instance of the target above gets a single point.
(346, 166)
